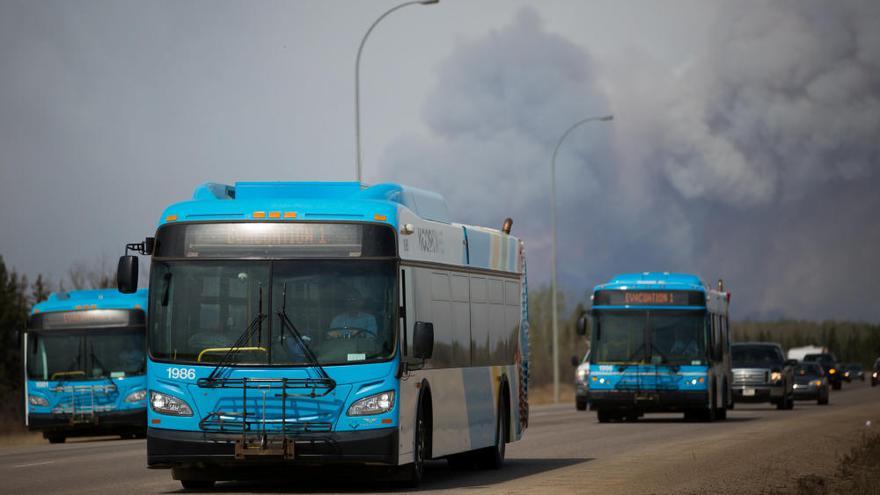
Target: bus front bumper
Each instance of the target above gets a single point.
(174, 448)
(103, 423)
(648, 400)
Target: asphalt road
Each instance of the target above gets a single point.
(564, 451)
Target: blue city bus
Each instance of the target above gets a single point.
(85, 366)
(660, 342)
(315, 323)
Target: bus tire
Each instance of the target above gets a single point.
(603, 415)
(411, 474)
(197, 484)
(56, 438)
(721, 412)
(493, 457)
(580, 404)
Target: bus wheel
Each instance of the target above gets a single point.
(721, 412)
(580, 404)
(603, 416)
(411, 474)
(56, 438)
(493, 457)
(197, 484)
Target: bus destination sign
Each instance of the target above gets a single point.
(649, 298)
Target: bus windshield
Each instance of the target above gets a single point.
(262, 312)
(85, 354)
(656, 337)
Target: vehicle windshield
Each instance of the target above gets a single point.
(819, 358)
(808, 369)
(85, 354)
(342, 309)
(854, 367)
(755, 354)
(657, 337)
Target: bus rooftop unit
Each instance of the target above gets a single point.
(310, 323)
(84, 365)
(660, 342)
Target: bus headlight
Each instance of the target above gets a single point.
(36, 400)
(136, 396)
(374, 404)
(583, 375)
(775, 376)
(166, 404)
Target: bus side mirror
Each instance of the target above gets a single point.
(575, 361)
(127, 274)
(582, 325)
(423, 340)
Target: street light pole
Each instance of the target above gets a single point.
(553, 287)
(357, 77)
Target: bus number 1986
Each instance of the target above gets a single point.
(182, 373)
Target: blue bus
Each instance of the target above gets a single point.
(312, 323)
(85, 366)
(660, 342)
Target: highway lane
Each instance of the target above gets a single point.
(564, 450)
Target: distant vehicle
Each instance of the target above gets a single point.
(581, 380)
(853, 371)
(798, 353)
(85, 366)
(660, 343)
(875, 374)
(828, 363)
(810, 383)
(762, 374)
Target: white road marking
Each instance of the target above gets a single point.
(33, 464)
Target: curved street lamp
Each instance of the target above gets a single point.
(603, 118)
(357, 76)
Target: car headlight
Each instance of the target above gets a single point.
(832, 371)
(583, 375)
(374, 404)
(36, 400)
(875, 374)
(775, 376)
(136, 396)
(166, 404)
(817, 383)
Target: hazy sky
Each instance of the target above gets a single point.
(746, 140)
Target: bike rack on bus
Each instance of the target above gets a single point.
(86, 413)
(256, 439)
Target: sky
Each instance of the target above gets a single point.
(744, 144)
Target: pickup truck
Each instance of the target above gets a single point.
(762, 374)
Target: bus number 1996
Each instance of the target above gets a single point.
(182, 373)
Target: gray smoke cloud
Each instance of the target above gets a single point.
(755, 161)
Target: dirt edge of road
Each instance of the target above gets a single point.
(858, 471)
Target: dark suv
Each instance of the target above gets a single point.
(828, 363)
(761, 374)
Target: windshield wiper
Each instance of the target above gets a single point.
(242, 339)
(288, 325)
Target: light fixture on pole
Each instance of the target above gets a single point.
(553, 287)
(357, 77)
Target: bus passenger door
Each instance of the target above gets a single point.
(409, 394)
